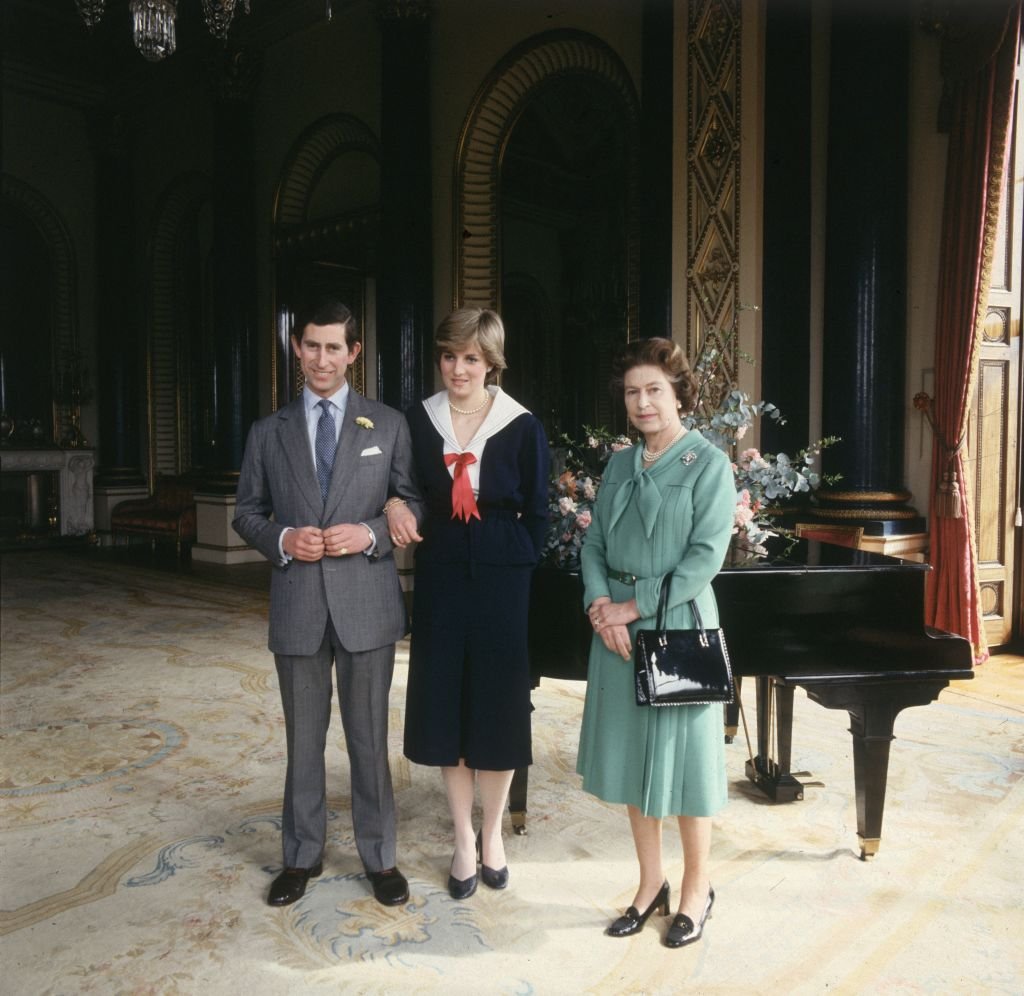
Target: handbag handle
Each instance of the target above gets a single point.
(663, 610)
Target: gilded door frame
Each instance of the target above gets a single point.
(476, 238)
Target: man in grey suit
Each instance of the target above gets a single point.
(314, 481)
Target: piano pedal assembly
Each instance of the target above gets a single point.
(771, 777)
(778, 785)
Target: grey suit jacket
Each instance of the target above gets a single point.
(278, 488)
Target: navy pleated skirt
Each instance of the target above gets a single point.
(468, 695)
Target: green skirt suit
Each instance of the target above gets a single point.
(677, 516)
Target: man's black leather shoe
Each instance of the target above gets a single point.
(290, 885)
(389, 886)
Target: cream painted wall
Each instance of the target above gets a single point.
(927, 168)
(751, 207)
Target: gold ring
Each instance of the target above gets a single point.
(343, 551)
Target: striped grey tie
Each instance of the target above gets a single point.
(325, 445)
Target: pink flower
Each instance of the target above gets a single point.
(583, 519)
(744, 515)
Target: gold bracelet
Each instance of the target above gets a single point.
(391, 502)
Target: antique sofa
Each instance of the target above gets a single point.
(168, 514)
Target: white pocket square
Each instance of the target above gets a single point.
(371, 451)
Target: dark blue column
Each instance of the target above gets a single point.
(866, 262)
(231, 381)
(405, 275)
(786, 268)
(120, 371)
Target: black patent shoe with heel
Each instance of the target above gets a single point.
(461, 888)
(633, 920)
(492, 878)
(683, 931)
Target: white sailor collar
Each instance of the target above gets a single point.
(504, 409)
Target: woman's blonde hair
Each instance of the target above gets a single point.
(461, 327)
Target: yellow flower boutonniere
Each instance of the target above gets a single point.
(364, 423)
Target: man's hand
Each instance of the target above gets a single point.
(305, 543)
(345, 539)
(402, 526)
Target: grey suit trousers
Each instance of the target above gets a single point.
(364, 681)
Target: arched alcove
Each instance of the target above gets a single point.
(42, 318)
(326, 223)
(545, 218)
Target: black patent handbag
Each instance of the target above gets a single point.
(681, 666)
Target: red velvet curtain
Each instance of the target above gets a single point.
(979, 58)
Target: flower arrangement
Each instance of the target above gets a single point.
(576, 477)
(723, 414)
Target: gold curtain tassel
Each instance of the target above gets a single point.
(947, 497)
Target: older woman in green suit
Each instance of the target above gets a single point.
(665, 505)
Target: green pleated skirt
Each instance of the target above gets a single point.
(666, 761)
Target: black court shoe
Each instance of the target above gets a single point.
(493, 878)
(683, 932)
(461, 888)
(632, 920)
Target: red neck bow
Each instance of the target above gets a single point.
(463, 502)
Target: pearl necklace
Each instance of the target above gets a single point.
(651, 455)
(472, 411)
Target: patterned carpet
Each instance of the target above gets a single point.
(141, 769)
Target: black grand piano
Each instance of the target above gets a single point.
(845, 625)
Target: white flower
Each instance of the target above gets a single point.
(363, 422)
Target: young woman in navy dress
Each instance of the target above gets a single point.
(482, 462)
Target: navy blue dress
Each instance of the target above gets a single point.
(469, 676)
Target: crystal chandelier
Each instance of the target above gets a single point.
(91, 11)
(153, 21)
(153, 27)
(218, 14)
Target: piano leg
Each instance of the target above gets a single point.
(873, 707)
(517, 800)
(732, 714)
(773, 777)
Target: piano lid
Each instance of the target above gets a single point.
(812, 607)
(788, 555)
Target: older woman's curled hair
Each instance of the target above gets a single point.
(664, 354)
